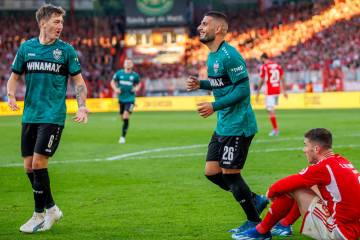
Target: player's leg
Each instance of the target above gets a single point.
(213, 171)
(121, 113)
(48, 140)
(284, 226)
(214, 174)
(317, 221)
(304, 198)
(128, 108)
(28, 139)
(233, 154)
(279, 208)
(28, 169)
(126, 119)
(28, 136)
(271, 102)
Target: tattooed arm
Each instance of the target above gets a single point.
(81, 93)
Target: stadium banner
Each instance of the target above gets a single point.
(334, 100)
(160, 13)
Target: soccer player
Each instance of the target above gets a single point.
(334, 212)
(125, 83)
(47, 61)
(273, 74)
(236, 123)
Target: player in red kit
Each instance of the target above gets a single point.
(273, 74)
(334, 212)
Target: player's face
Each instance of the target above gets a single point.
(310, 150)
(128, 64)
(54, 26)
(206, 30)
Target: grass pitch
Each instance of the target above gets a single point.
(153, 187)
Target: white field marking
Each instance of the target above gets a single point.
(126, 155)
(137, 155)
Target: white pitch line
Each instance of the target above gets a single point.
(137, 155)
(118, 157)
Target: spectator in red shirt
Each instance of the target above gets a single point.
(332, 212)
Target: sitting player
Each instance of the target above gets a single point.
(334, 212)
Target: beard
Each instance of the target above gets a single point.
(207, 39)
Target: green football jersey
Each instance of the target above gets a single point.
(226, 70)
(46, 70)
(126, 82)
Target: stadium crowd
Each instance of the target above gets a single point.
(293, 34)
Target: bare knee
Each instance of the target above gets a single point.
(304, 198)
(212, 168)
(28, 169)
(211, 172)
(40, 161)
(230, 171)
(125, 115)
(28, 164)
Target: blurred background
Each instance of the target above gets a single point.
(316, 41)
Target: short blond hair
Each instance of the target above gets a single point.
(47, 10)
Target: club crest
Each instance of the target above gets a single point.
(57, 54)
(216, 67)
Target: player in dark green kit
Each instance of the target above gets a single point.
(236, 124)
(46, 61)
(125, 83)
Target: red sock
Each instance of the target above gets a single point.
(272, 117)
(278, 209)
(292, 216)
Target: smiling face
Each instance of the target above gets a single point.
(53, 26)
(207, 29)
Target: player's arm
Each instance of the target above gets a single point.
(205, 84)
(17, 67)
(80, 86)
(240, 91)
(11, 91)
(192, 83)
(306, 179)
(81, 94)
(261, 83)
(236, 70)
(282, 84)
(137, 85)
(114, 87)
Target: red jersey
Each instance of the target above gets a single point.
(272, 73)
(339, 184)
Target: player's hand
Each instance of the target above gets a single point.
(81, 115)
(267, 195)
(205, 109)
(192, 83)
(12, 103)
(286, 95)
(257, 97)
(117, 90)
